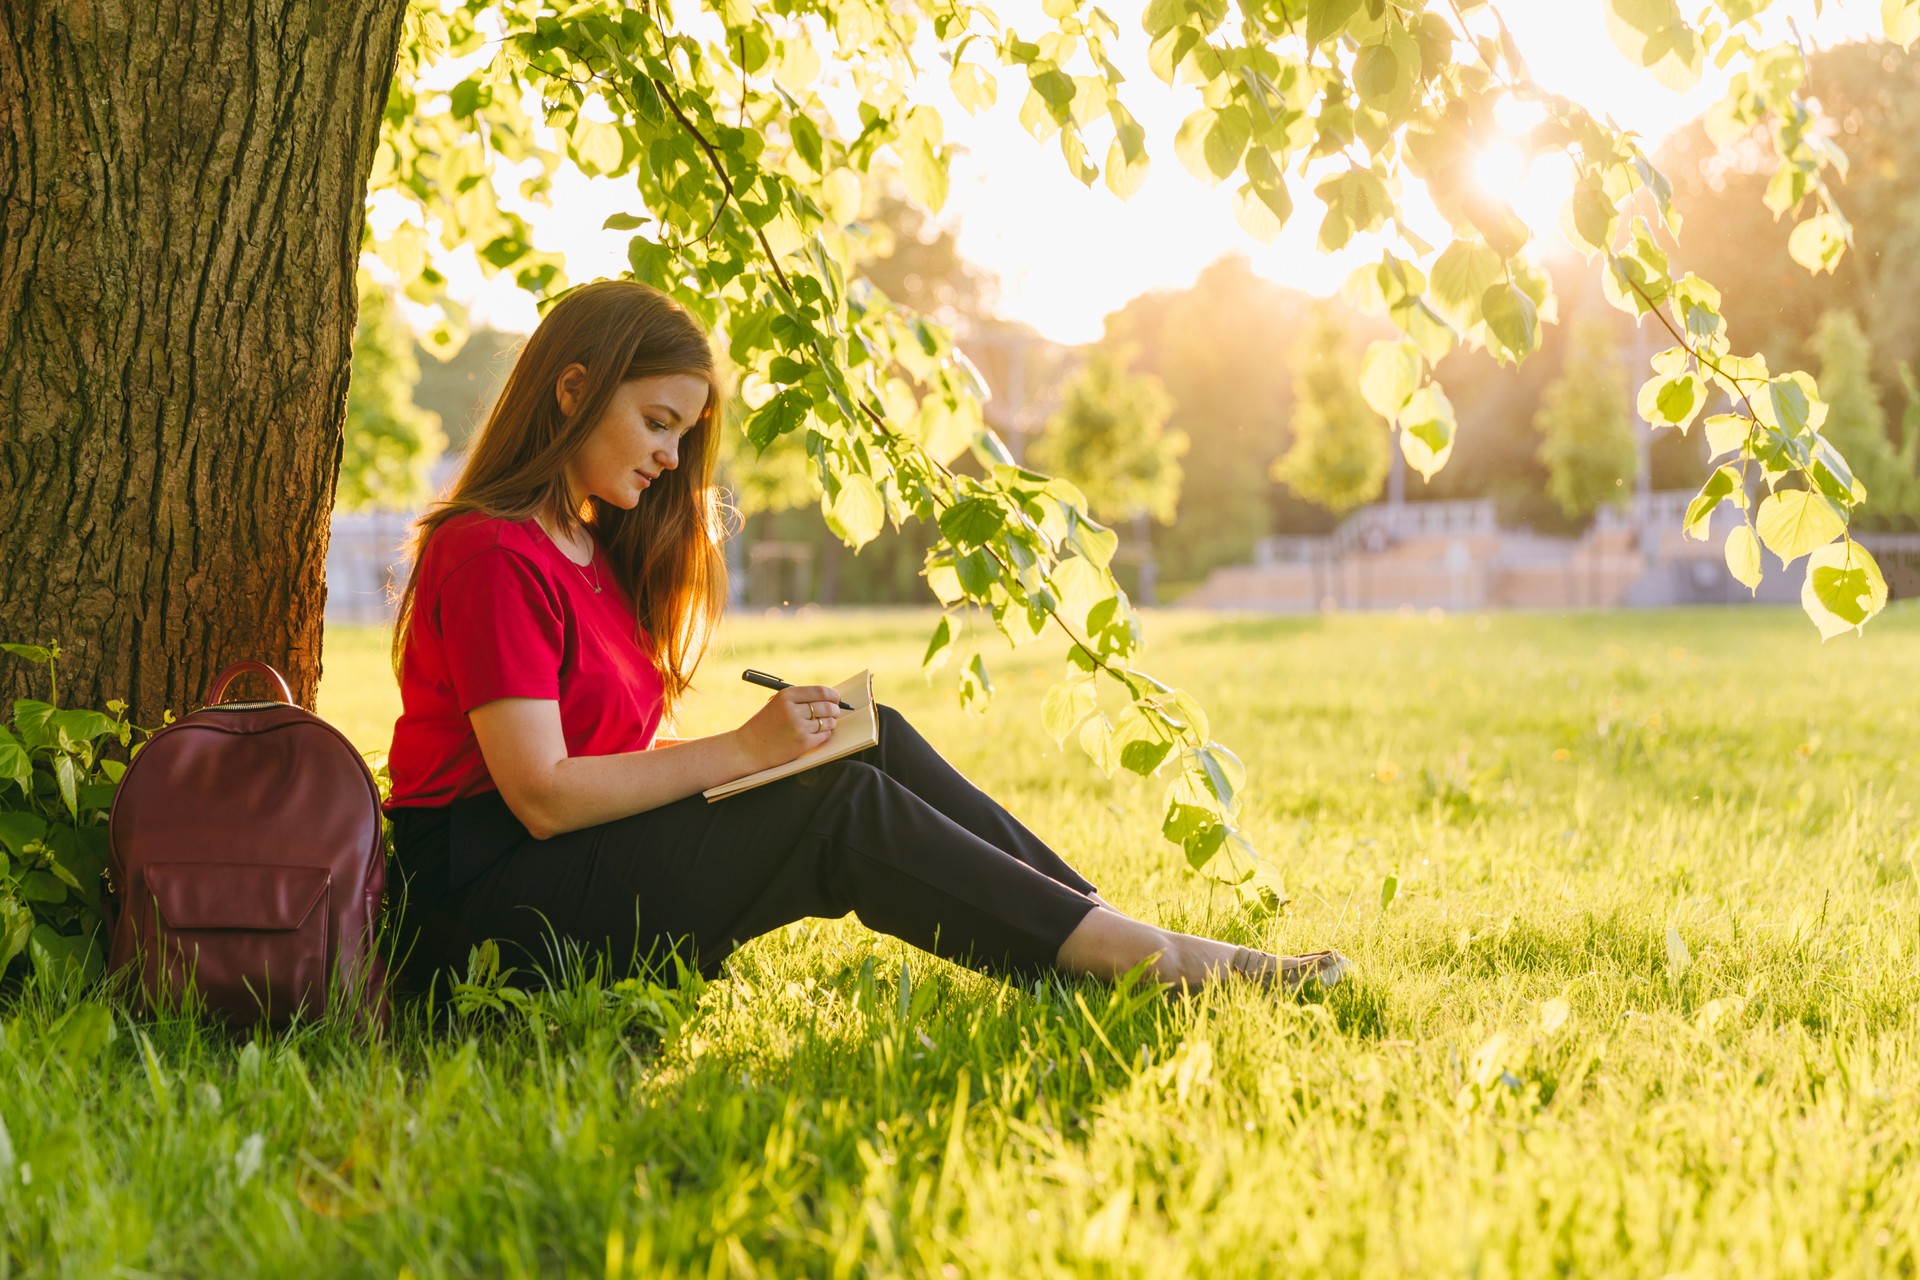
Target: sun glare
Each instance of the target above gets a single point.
(1533, 186)
(1500, 169)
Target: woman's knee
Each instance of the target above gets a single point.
(860, 774)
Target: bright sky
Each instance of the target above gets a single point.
(1066, 255)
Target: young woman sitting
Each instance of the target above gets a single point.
(559, 603)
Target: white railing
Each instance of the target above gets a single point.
(363, 557)
(1660, 511)
(1380, 525)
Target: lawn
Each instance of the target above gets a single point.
(1635, 909)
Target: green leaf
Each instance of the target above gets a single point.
(807, 142)
(977, 572)
(31, 652)
(1843, 589)
(1162, 16)
(31, 720)
(1389, 375)
(64, 960)
(971, 522)
(1096, 739)
(785, 412)
(943, 579)
(1356, 201)
(1512, 321)
(42, 886)
(857, 512)
(1220, 771)
(973, 87)
(1426, 430)
(1720, 486)
(1067, 704)
(1796, 521)
(922, 168)
(16, 927)
(1210, 143)
(1461, 276)
(1832, 476)
(1377, 74)
(1263, 204)
(19, 829)
(1792, 522)
(1592, 215)
(938, 646)
(1199, 831)
(15, 765)
(1094, 541)
(1726, 433)
(66, 777)
(1327, 18)
(83, 726)
(1672, 401)
(976, 690)
(1143, 744)
(1743, 557)
(1901, 19)
(1818, 243)
(1792, 403)
(1652, 34)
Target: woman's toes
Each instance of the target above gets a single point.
(1324, 967)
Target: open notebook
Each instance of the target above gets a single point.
(856, 731)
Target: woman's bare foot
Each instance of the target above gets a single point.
(1107, 944)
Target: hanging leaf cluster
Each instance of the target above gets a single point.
(747, 188)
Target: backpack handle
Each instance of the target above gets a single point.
(220, 682)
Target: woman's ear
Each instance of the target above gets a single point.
(571, 387)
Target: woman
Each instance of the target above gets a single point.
(560, 600)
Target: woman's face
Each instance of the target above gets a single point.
(636, 439)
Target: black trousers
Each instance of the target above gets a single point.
(893, 834)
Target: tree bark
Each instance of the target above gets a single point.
(182, 188)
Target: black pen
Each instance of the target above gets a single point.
(773, 682)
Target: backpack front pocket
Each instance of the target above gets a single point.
(251, 940)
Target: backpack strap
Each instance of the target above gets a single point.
(220, 682)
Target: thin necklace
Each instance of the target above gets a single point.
(593, 559)
(594, 581)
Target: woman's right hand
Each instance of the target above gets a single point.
(781, 730)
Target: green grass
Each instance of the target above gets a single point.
(1523, 1080)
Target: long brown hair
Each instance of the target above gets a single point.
(666, 551)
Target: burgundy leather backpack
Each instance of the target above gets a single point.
(246, 861)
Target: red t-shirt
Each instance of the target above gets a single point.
(499, 611)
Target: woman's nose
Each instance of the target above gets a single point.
(670, 453)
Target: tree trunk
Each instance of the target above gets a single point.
(182, 188)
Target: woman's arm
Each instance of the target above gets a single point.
(552, 792)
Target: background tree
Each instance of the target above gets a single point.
(1338, 458)
(1587, 425)
(459, 389)
(1857, 424)
(390, 441)
(1219, 348)
(916, 261)
(1110, 438)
